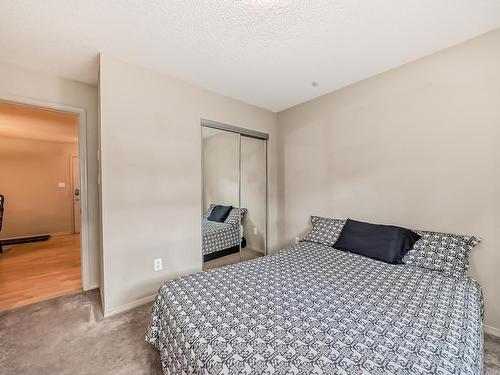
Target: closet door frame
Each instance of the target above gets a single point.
(234, 129)
(266, 183)
(246, 133)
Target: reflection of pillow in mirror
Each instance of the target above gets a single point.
(220, 213)
(236, 215)
(209, 210)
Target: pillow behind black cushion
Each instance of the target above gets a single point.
(219, 213)
(387, 243)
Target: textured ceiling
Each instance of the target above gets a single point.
(263, 52)
(18, 121)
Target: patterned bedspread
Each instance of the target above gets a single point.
(313, 309)
(219, 236)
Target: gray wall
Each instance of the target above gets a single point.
(416, 146)
(151, 175)
(34, 85)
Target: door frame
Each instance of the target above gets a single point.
(82, 154)
(72, 173)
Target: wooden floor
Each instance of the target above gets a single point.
(246, 254)
(39, 271)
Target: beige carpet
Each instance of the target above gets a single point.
(69, 336)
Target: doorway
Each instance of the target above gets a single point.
(40, 234)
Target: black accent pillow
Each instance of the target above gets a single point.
(220, 213)
(387, 243)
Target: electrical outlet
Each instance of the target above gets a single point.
(158, 264)
(297, 239)
(254, 230)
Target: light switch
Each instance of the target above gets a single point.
(61, 185)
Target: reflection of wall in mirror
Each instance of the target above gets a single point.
(253, 191)
(220, 168)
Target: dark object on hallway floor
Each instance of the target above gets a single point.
(19, 240)
(68, 335)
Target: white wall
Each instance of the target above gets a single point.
(19, 82)
(416, 146)
(151, 175)
(30, 171)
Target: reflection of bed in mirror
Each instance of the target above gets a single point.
(221, 238)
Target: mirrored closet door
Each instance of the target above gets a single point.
(221, 224)
(253, 196)
(234, 194)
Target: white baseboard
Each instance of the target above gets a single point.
(129, 306)
(91, 287)
(60, 233)
(492, 330)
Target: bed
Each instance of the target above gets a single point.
(221, 239)
(313, 309)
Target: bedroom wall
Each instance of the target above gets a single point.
(151, 175)
(416, 146)
(24, 83)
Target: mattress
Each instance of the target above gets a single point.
(313, 309)
(219, 236)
